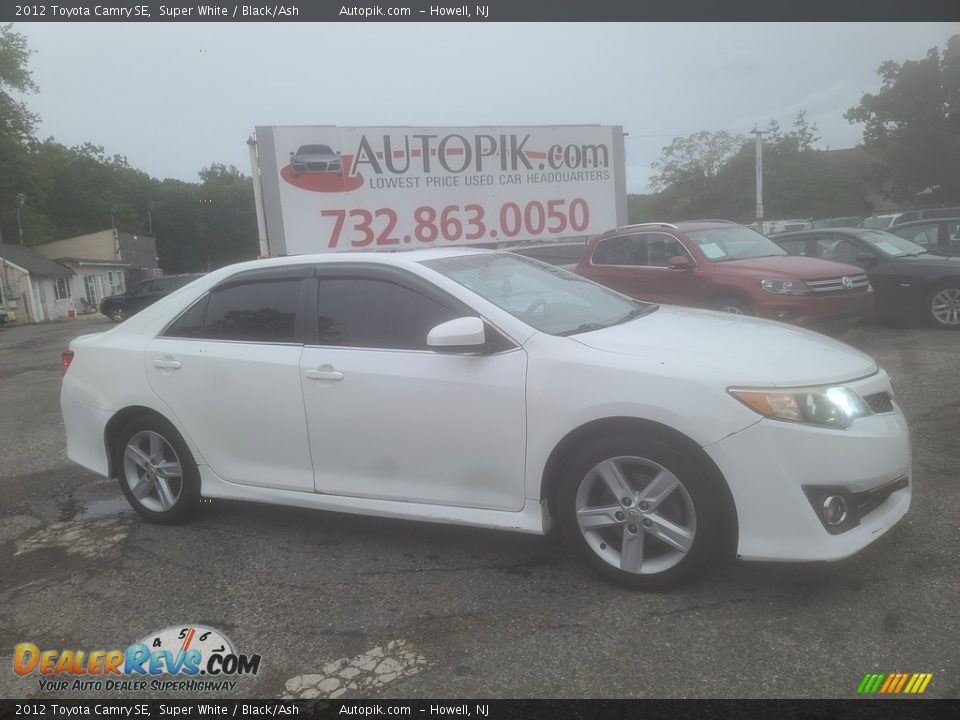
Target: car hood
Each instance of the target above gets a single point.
(771, 352)
(791, 266)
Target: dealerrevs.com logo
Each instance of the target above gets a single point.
(182, 657)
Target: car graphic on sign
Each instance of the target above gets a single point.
(315, 159)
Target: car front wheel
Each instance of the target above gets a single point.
(640, 511)
(118, 314)
(733, 305)
(945, 306)
(157, 473)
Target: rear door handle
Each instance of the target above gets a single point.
(167, 363)
(326, 372)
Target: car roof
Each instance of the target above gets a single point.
(399, 257)
(928, 221)
(681, 225)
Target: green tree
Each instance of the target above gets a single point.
(913, 124)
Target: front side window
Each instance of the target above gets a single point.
(142, 288)
(255, 311)
(660, 248)
(371, 313)
(734, 243)
(545, 297)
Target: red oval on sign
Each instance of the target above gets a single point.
(324, 181)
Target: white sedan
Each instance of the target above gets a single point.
(487, 389)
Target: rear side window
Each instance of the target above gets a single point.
(624, 250)
(263, 311)
(368, 313)
(190, 323)
(660, 248)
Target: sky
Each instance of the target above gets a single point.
(174, 98)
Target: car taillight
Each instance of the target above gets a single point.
(66, 357)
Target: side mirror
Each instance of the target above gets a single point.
(866, 258)
(460, 334)
(680, 262)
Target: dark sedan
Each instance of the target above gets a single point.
(908, 281)
(940, 235)
(146, 292)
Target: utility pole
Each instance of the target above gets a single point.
(759, 140)
(6, 280)
(21, 199)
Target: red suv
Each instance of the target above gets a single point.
(720, 265)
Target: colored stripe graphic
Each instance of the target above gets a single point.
(894, 683)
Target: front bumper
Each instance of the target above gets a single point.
(772, 465)
(834, 312)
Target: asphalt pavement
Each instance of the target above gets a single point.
(376, 608)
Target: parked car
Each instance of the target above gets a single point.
(146, 292)
(315, 159)
(937, 236)
(489, 389)
(909, 281)
(723, 266)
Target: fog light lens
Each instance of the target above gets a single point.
(834, 510)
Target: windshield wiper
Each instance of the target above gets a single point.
(586, 327)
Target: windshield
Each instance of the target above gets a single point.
(315, 149)
(890, 244)
(734, 243)
(547, 298)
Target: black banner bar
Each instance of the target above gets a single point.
(481, 11)
(899, 709)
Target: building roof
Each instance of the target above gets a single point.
(86, 261)
(33, 262)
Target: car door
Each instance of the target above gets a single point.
(617, 262)
(666, 284)
(391, 419)
(229, 369)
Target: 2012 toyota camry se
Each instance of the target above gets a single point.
(488, 389)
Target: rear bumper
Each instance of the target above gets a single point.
(84, 427)
(772, 466)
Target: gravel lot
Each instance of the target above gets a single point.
(469, 613)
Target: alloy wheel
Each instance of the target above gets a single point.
(152, 471)
(118, 315)
(945, 306)
(636, 515)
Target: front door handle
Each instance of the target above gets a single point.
(167, 363)
(324, 372)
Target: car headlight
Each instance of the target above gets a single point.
(783, 287)
(835, 406)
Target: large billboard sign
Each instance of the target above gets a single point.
(327, 189)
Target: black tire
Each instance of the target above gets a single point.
(118, 314)
(946, 295)
(733, 305)
(187, 492)
(703, 489)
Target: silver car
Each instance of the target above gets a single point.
(315, 159)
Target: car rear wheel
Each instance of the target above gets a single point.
(118, 314)
(732, 305)
(640, 511)
(158, 474)
(945, 306)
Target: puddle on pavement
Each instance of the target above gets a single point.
(104, 508)
(95, 500)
